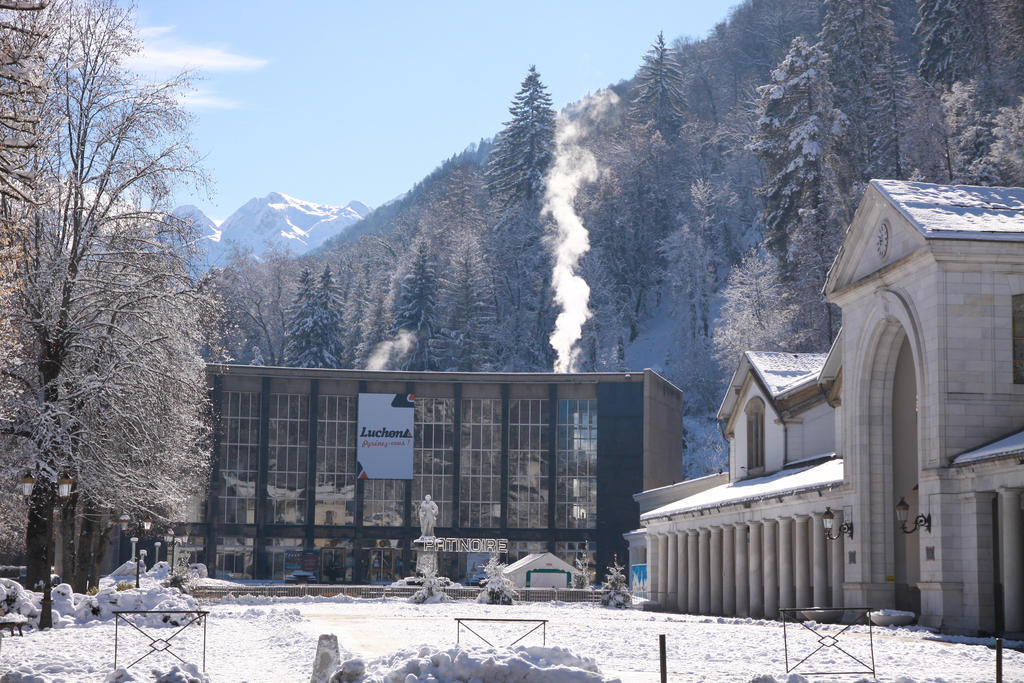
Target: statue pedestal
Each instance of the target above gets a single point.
(426, 560)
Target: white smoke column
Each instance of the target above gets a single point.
(383, 353)
(573, 166)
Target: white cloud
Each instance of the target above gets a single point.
(162, 53)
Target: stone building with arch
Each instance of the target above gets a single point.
(918, 405)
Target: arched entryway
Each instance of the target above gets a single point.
(904, 472)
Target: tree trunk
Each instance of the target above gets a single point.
(68, 538)
(101, 538)
(39, 534)
(83, 558)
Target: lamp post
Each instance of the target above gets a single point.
(169, 538)
(135, 541)
(156, 558)
(828, 520)
(41, 511)
(922, 520)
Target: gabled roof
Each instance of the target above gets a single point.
(539, 558)
(958, 211)
(778, 372)
(781, 371)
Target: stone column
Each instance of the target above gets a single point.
(672, 568)
(652, 567)
(756, 571)
(1011, 542)
(703, 545)
(692, 573)
(838, 561)
(716, 570)
(681, 569)
(742, 572)
(728, 570)
(663, 570)
(802, 575)
(786, 595)
(771, 571)
(820, 561)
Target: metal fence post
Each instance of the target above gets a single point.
(664, 664)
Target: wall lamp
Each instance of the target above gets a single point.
(922, 520)
(828, 519)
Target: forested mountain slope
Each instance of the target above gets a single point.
(725, 172)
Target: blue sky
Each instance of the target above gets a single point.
(334, 101)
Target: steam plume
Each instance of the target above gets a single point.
(395, 349)
(573, 166)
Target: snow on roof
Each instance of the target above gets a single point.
(780, 370)
(1009, 445)
(959, 211)
(533, 557)
(784, 482)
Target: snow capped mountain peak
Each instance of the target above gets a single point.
(275, 220)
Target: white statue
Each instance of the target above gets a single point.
(428, 517)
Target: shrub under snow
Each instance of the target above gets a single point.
(431, 591)
(616, 589)
(498, 590)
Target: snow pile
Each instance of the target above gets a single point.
(76, 608)
(186, 673)
(527, 664)
(244, 598)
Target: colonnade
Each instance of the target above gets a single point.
(1011, 542)
(747, 568)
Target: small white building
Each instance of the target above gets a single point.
(539, 570)
(918, 409)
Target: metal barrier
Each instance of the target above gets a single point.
(211, 593)
(159, 644)
(541, 624)
(826, 639)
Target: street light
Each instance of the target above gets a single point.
(64, 486)
(828, 519)
(147, 524)
(27, 482)
(123, 520)
(922, 520)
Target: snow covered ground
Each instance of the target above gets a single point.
(261, 639)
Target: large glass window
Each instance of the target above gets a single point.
(284, 556)
(337, 560)
(384, 502)
(287, 464)
(576, 457)
(234, 557)
(336, 461)
(239, 463)
(480, 475)
(384, 562)
(517, 550)
(434, 459)
(528, 434)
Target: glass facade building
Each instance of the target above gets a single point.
(547, 461)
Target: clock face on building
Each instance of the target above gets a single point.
(882, 240)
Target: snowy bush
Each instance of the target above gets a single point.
(431, 591)
(15, 599)
(581, 577)
(498, 590)
(616, 590)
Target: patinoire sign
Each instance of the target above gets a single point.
(465, 545)
(384, 436)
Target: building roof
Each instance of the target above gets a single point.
(1009, 445)
(958, 211)
(782, 483)
(781, 371)
(539, 558)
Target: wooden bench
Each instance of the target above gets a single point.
(12, 621)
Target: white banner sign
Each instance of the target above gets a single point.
(384, 437)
